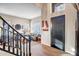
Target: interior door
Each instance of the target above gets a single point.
(58, 32)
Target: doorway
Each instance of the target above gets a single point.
(58, 32)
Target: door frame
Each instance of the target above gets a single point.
(76, 34)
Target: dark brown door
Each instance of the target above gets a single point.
(58, 32)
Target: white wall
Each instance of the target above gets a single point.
(70, 20)
(46, 35)
(36, 25)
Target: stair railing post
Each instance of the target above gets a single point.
(26, 48)
(30, 45)
(3, 37)
(13, 41)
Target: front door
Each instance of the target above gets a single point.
(58, 32)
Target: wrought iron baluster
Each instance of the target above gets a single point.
(13, 41)
(29, 45)
(29, 48)
(20, 47)
(8, 40)
(26, 48)
(17, 44)
(23, 46)
(3, 37)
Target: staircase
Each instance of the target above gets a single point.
(11, 41)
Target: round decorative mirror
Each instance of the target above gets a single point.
(17, 26)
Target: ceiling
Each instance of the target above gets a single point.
(23, 10)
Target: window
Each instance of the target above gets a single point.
(58, 7)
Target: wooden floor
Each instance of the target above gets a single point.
(38, 49)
